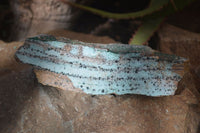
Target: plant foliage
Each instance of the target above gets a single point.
(152, 16)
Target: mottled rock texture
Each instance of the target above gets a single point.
(36, 16)
(29, 107)
(81, 36)
(181, 42)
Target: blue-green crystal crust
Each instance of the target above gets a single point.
(105, 69)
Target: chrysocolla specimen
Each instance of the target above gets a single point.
(105, 68)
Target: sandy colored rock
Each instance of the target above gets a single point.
(56, 80)
(7, 62)
(35, 16)
(7, 51)
(174, 40)
(35, 108)
(81, 36)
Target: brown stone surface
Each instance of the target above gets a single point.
(174, 40)
(29, 107)
(35, 16)
(53, 79)
(7, 51)
(7, 61)
(81, 37)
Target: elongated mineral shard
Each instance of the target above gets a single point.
(104, 69)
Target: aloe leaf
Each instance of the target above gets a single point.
(146, 30)
(154, 5)
(154, 15)
(152, 22)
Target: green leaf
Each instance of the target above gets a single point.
(146, 30)
(152, 16)
(154, 6)
(152, 22)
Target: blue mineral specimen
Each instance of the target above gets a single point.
(105, 69)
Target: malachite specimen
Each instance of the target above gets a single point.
(105, 68)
